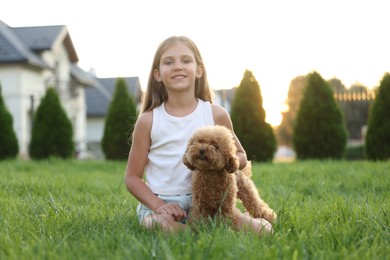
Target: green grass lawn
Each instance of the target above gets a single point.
(81, 210)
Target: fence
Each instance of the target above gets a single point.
(355, 107)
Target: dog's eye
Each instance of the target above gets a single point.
(216, 146)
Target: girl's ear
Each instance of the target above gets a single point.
(199, 72)
(156, 74)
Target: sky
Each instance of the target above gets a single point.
(276, 40)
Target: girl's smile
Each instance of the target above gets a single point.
(179, 77)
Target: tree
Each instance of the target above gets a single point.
(378, 133)
(9, 147)
(319, 132)
(119, 123)
(285, 131)
(52, 132)
(248, 117)
(336, 85)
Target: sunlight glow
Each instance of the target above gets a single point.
(276, 40)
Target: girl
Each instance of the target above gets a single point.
(178, 100)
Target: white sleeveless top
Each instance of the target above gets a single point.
(165, 172)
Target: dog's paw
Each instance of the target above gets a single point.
(270, 215)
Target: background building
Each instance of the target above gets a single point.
(33, 59)
(98, 100)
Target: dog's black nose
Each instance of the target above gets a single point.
(201, 151)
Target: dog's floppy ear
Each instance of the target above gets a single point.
(187, 163)
(232, 164)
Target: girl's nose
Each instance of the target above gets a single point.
(178, 67)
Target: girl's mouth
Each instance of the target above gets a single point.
(179, 77)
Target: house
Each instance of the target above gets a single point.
(33, 59)
(98, 100)
(224, 97)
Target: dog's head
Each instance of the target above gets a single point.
(211, 148)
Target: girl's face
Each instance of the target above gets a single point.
(178, 69)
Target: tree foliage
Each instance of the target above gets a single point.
(336, 85)
(52, 132)
(119, 123)
(378, 133)
(248, 117)
(9, 147)
(285, 131)
(319, 131)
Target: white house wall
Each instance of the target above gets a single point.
(32, 86)
(20, 85)
(95, 128)
(78, 111)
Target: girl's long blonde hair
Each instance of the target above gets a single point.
(156, 93)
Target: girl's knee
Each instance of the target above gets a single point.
(149, 222)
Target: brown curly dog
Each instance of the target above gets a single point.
(216, 180)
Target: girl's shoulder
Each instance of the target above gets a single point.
(217, 109)
(145, 120)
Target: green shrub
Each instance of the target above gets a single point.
(52, 131)
(119, 123)
(9, 147)
(319, 132)
(378, 132)
(248, 117)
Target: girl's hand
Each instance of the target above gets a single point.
(172, 209)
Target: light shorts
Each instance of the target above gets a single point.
(184, 201)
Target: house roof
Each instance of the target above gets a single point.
(43, 38)
(14, 50)
(98, 98)
(23, 44)
(81, 76)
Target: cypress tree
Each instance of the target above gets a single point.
(248, 117)
(52, 133)
(378, 134)
(119, 123)
(9, 147)
(319, 131)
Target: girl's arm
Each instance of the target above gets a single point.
(136, 163)
(221, 117)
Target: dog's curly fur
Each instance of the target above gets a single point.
(217, 181)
